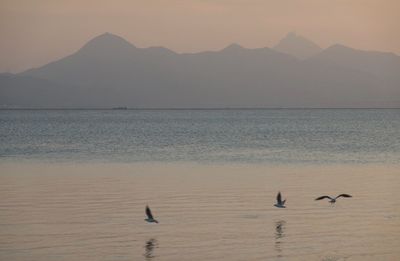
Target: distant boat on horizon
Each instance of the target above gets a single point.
(120, 108)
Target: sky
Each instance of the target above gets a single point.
(35, 32)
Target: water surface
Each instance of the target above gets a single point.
(74, 184)
(96, 212)
(312, 136)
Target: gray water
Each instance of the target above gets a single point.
(281, 136)
(210, 177)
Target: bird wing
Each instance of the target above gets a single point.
(279, 198)
(344, 195)
(322, 197)
(148, 213)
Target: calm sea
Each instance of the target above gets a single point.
(281, 136)
(211, 179)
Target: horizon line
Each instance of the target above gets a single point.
(197, 108)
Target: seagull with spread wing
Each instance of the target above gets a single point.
(333, 200)
(150, 217)
(279, 202)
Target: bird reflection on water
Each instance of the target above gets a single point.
(149, 247)
(279, 235)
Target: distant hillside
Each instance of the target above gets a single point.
(109, 72)
(29, 92)
(297, 46)
(386, 66)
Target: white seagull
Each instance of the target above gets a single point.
(279, 202)
(150, 217)
(333, 200)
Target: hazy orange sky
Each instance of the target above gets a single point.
(35, 32)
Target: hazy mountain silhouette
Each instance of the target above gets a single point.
(297, 46)
(383, 65)
(26, 91)
(108, 71)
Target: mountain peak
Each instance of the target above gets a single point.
(297, 46)
(233, 47)
(292, 35)
(106, 42)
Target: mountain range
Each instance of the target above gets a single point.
(108, 71)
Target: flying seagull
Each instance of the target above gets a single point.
(279, 202)
(150, 217)
(333, 200)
